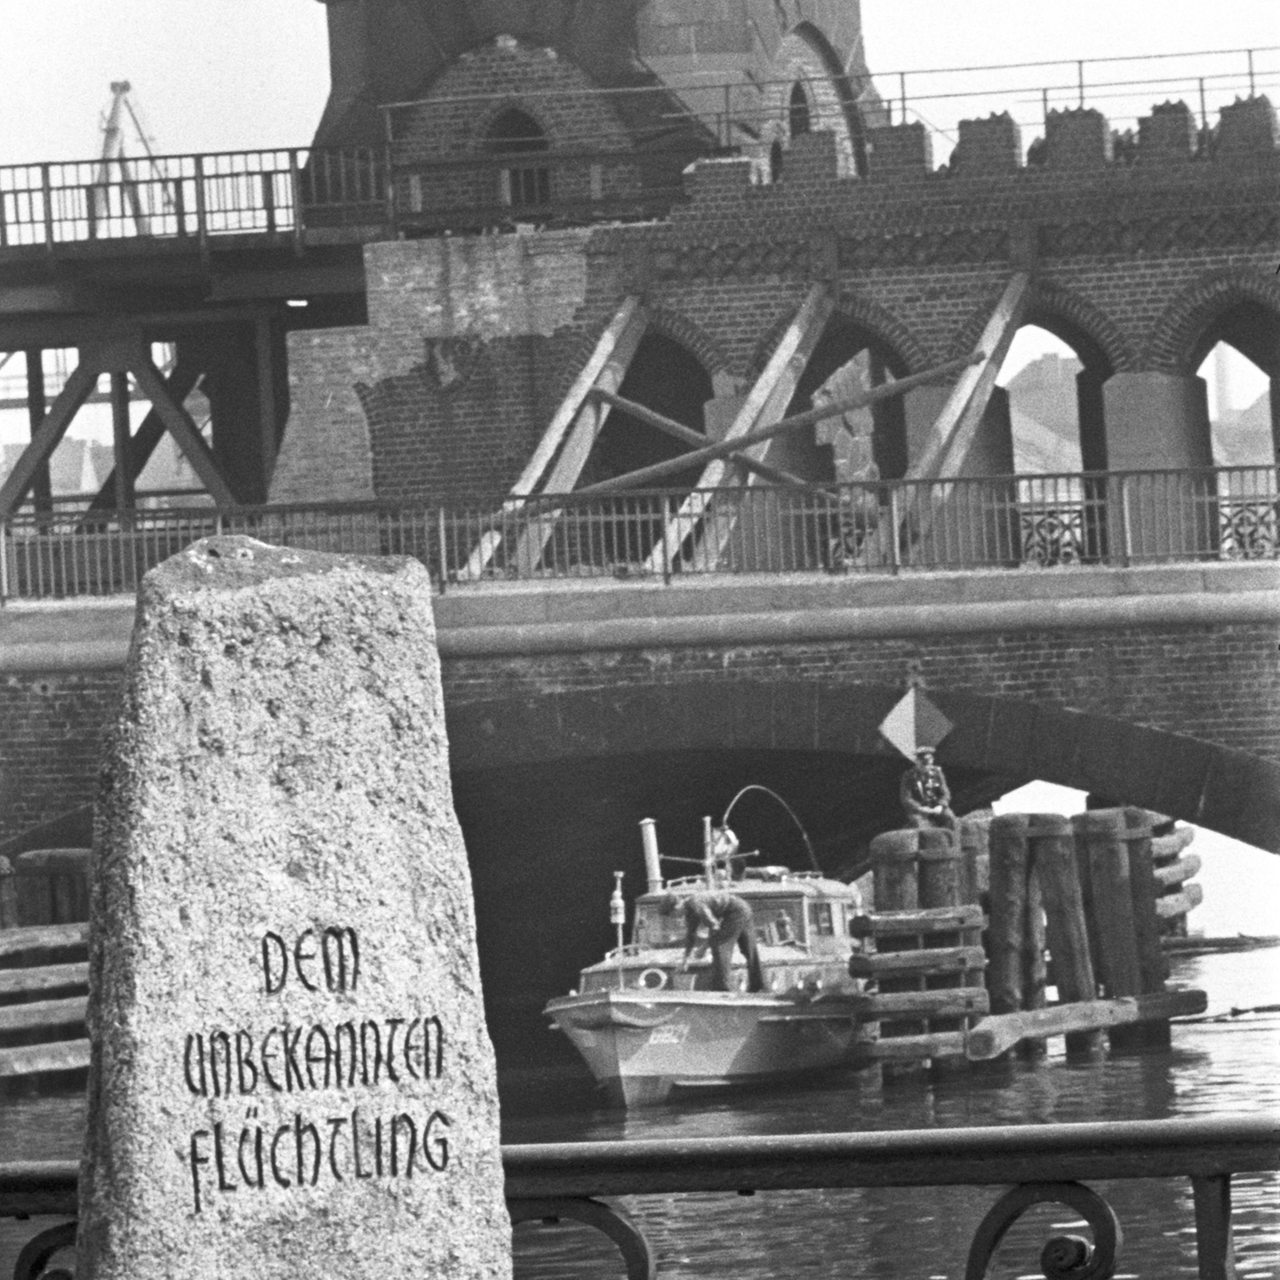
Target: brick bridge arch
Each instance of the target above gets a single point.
(1177, 339)
(1230, 791)
(689, 334)
(1090, 332)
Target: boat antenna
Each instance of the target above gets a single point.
(791, 813)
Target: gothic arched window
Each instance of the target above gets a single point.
(516, 133)
(798, 117)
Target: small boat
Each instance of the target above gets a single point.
(650, 1027)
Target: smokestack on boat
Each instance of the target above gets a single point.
(652, 865)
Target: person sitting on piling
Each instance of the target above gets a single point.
(721, 921)
(924, 794)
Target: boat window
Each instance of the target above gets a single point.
(820, 918)
(780, 922)
(657, 928)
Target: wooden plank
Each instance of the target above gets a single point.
(1178, 904)
(182, 427)
(75, 391)
(926, 960)
(915, 1048)
(45, 978)
(769, 397)
(588, 422)
(43, 937)
(1177, 871)
(44, 1013)
(38, 1059)
(564, 416)
(957, 424)
(946, 1002)
(1165, 847)
(884, 924)
(999, 1033)
(696, 439)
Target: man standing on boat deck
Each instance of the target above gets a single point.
(721, 921)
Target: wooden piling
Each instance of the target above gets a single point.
(8, 896)
(1153, 968)
(895, 878)
(939, 870)
(1104, 834)
(1006, 930)
(1053, 857)
(1035, 968)
(976, 859)
(927, 962)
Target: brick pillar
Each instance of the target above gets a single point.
(1158, 420)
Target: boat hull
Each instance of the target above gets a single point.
(643, 1047)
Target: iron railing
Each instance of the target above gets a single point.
(1047, 1164)
(1003, 522)
(304, 194)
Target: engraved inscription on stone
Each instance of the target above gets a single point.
(291, 1074)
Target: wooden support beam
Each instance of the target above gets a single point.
(957, 424)
(724, 448)
(180, 425)
(588, 422)
(767, 399)
(696, 439)
(562, 420)
(999, 1033)
(75, 391)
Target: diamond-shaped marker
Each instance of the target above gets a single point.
(913, 723)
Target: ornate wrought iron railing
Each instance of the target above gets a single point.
(1001, 522)
(1043, 1164)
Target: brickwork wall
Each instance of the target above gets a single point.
(1217, 684)
(325, 454)
(51, 727)
(1137, 252)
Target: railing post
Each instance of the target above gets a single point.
(664, 533)
(389, 177)
(295, 194)
(441, 549)
(1126, 525)
(895, 524)
(4, 562)
(902, 97)
(268, 200)
(202, 219)
(46, 192)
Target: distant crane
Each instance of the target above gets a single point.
(113, 153)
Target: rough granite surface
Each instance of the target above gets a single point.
(291, 1074)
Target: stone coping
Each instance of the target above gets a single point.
(573, 616)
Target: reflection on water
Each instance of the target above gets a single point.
(1231, 1067)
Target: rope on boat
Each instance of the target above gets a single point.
(791, 813)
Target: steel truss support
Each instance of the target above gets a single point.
(118, 357)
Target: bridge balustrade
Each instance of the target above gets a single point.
(1048, 1164)
(1003, 522)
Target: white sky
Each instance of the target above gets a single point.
(239, 74)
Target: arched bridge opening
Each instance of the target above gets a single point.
(550, 787)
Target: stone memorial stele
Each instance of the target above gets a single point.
(291, 1075)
